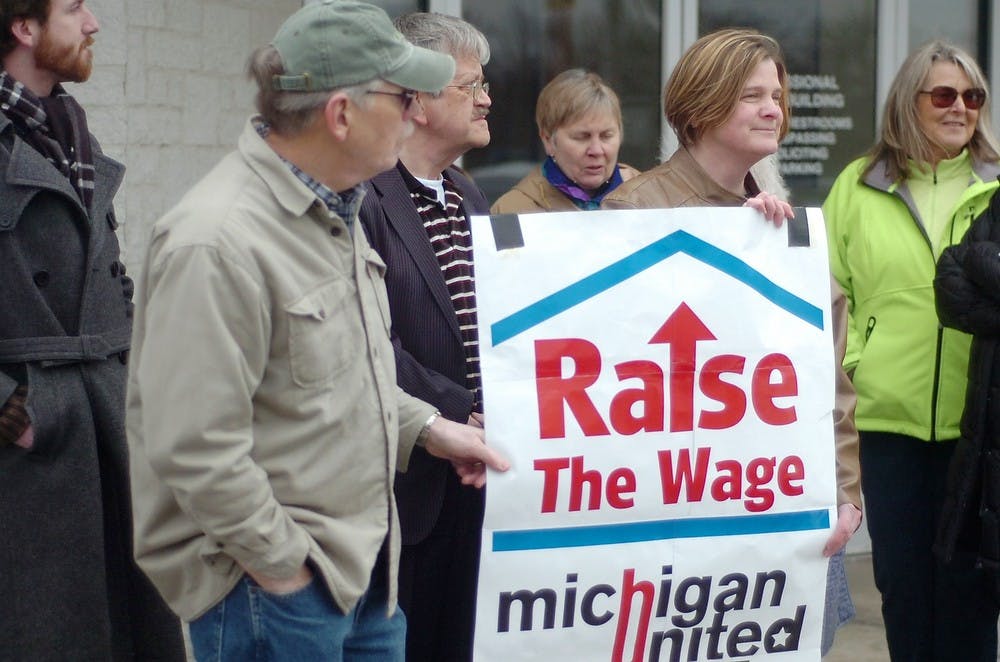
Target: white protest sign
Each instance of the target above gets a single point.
(662, 382)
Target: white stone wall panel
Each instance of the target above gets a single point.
(169, 95)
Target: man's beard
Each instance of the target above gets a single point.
(70, 63)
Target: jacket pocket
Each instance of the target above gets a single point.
(320, 339)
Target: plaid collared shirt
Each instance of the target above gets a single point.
(345, 204)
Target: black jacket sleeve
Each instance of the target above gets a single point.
(967, 285)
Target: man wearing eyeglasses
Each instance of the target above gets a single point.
(416, 216)
(264, 419)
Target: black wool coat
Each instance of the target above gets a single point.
(68, 584)
(967, 288)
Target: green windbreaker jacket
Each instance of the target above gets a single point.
(909, 372)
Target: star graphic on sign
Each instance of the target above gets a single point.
(780, 637)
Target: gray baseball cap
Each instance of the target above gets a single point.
(337, 43)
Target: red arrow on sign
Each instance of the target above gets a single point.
(682, 331)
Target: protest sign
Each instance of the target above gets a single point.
(662, 381)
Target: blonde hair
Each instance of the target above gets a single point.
(571, 95)
(902, 138)
(706, 84)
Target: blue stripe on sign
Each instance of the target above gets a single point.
(661, 249)
(616, 534)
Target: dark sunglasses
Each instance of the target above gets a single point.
(943, 96)
(405, 97)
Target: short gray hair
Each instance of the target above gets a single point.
(444, 34)
(290, 112)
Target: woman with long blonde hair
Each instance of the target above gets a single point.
(889, 216)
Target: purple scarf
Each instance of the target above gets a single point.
(555, 176)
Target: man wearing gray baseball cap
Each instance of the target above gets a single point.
(264, 420)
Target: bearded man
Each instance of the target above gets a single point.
(68, 583)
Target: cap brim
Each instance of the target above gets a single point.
(424, 71)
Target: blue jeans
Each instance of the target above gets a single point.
(252, 625)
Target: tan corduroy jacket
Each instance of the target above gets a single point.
(681, 182)
(264, 421)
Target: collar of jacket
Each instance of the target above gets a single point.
(983, 171)
(984, 176)
(290, 191)
(27, 170)
(690, 171)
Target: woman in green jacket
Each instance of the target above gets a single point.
(889, 215)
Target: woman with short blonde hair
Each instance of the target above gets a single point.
(730, 81)
(709, 79)
(580, 123)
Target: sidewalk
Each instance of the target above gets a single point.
(863, 639)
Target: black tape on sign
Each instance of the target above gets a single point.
(507, 231)
(798, 228)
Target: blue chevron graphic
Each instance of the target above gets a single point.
(644, 258)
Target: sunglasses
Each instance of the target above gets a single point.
(405, 97)
(944, 96)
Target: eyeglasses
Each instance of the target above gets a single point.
(405, 97)
(474, 88)
(943, 96)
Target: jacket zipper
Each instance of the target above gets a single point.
(937, 379)
(935, 387)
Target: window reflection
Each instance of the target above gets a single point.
(957, 21)
(832, 96)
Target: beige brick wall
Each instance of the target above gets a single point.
(168, 95)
